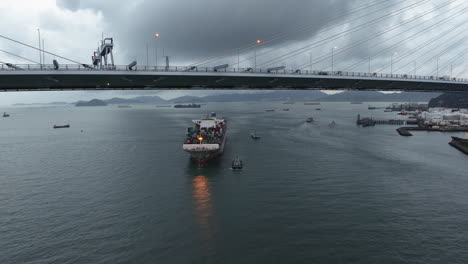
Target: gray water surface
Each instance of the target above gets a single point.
(117, 188)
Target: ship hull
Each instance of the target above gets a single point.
(203, 157)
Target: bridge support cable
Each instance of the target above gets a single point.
(32, 47)
(347, 48)
(18, 56)
(323, 31)
(396, 45)
(428, 60)
(450, 62)
(420, 48)
(279, 36)
(461, 73)
(341, 34)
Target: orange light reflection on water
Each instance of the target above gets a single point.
(201, 197)
(203, 213)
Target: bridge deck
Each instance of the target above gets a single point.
(73, 77)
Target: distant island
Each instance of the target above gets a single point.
(94, 102)
(267, 96)
(450, 100)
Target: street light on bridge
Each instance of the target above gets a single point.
(438, 59)
(255, 56)
(156, 49)
(333, 57)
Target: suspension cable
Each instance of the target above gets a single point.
(339, 35)
(32, 47)
(382, 33)
(437, 24)
(327, 29)
(285, 34)
(19, 56)
(428, 60)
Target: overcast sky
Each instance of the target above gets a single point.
(194, 30)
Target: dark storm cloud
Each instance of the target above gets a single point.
(204, 28)
(191, 29)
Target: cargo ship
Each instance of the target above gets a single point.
(206, 139)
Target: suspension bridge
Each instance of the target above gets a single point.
(434, 32)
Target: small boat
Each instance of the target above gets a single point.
(237, 164)
(5, 114)
(310, 120)
(332, 124)
(63, 126)
(318, 109)
(356, 102)
(371, 108)
(402, 113)
(125, 106)
(286, 109)
(254, 135)
(270, 110)
(312, 103)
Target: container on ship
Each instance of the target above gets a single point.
(206, 139)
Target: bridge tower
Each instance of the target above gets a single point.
(96, 58)
(101, 56)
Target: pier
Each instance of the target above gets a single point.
(365, 122)
(460, 144)
(405, 131)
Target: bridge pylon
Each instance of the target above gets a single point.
(101, 55)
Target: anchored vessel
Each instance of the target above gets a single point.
(187, 106)
(237, 164)
(254, 135)
(206, 138)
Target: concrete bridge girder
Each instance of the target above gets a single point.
(90, 80)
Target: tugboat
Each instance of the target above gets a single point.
(310, 120)
(5, 114)
(237, 164)
(254, 135)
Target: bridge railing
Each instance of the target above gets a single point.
(85, 67)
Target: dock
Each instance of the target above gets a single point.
(405, 131)
(460, 144)
(365, 122)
